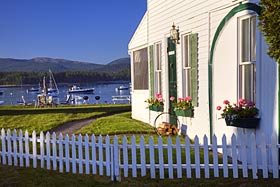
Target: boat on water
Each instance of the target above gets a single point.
(122, 87)
(1, 92)
(1, 102)
(32, 90)
(77, 89)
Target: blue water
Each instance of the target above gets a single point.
(13, 95)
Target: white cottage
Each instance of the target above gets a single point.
(220, 55)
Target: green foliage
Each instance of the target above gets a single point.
(270, 26)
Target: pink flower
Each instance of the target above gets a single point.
(160, 99)
(158, 95)
(172, 98)
(219, 107)
(241, 102)
(236, 108)
(180, 99)
(250, 103)
(226, 102)
(189, 98)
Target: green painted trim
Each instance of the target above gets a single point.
(247, 6)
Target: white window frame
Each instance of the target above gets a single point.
(250, 61)
(186, 65)
(158, 67)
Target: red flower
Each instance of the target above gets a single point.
(219, 107)
(226, 102)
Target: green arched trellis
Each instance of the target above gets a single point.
(247, 6)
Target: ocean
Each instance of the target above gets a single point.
(105, 91)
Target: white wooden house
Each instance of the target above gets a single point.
(221, 55)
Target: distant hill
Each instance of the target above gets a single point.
(43, 64)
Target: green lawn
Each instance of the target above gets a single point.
(44, 119)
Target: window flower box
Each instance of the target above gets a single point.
(185, 113)
(156, 108)
(243, 122)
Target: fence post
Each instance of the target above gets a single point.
(3, 137)
(34, 151)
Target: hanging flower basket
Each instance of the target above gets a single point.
(156, 108)
(186, 113)
(250, 123)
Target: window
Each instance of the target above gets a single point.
(247, 65)
(140, 69)
(190, 67)
(157, 57)
(186, 66)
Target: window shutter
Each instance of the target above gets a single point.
(152, 76)
(194, 69)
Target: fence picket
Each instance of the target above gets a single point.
(161, 157)
(108, 171)
(86, 154)
(116, 160)
(142, 156)
(20, 148)
(54, 153)
(73, 146)
(225, 158)
(196, 157)
(234, 156)
(243, 149)
(206, 157)
(254, 155)
(3, 139)
(152, 157)
(9, 147)
(34, 150)
(26, 148)
(67, 153)
(100, 155)
(170, 158)
(48, 151)
(80, 153)
(125, 157)
(42, 149)
(60, 146)
(133, 156)
(215, 156)
(93, 154)
(274, 154)
(188, 157)
(14, 138)
(264, 157)
(178, 157)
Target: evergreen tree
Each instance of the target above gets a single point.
(270, 26)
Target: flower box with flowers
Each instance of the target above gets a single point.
(156, 103)
(183, 106)
(243, 115)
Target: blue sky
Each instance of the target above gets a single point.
(95, 31)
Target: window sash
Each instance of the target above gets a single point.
(158, 65)
(186, 66)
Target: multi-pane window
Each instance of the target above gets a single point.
(140, 69)
(247, 65)
(186, 66)
(158, 73)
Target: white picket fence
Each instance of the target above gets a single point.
(115, 157)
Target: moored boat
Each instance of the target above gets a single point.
(1, 102)
(122, 87)
(77, 89)
(1, 92)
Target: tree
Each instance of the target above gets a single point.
(270, 26)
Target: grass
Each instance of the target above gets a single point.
(116, 124)
(44, 119)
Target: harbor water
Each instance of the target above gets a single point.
(103, 94)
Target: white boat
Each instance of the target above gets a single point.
(122, 87)
(121, 98)
(77, 89)
(1, 102)
(33, 89)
